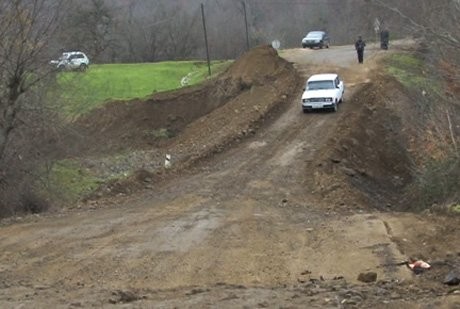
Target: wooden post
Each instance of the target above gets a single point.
(206, 39)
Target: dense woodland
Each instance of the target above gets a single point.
(145, 30)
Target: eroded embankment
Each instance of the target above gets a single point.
(373, 157)
(204, 119)
(247, 89)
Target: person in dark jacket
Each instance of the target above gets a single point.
(384, 39)
(359, 46)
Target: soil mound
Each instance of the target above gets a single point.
(151, 122)
(374, 149)
(256, 67)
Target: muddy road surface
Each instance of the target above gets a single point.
(243, 228)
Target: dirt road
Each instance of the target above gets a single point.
(243, 228)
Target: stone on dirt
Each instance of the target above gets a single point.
(452, 278)
(123, 297)
(348, 171)
(367, 277)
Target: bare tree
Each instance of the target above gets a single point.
(181, 33)
(140, 33)
(88, 27)
(436, 19)
(436, 23)
(25, 28)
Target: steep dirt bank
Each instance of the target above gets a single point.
(371, 149)
(205, 120)
(377, 151)
(252, 85)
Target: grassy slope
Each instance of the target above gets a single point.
(79, 93)
(406, 68)
(438, 179)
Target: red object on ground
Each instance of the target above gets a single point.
(419, 264)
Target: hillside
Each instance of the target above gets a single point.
(264, 206)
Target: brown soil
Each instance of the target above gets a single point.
(371, 151)
(258, 76)
(264, 206)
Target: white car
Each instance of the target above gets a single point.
(75, 60)
(322, 91)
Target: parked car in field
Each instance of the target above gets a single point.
(322, 91)
(318, 39)
(74, 60)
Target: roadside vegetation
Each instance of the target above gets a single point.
(438, 175)
(80, 93)
(438, 182)
(68, 181)
(415, 74)
(407, 68)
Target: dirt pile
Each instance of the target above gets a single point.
(257, 67)
(143, 124)
(267, 83)
(375, 149)
(201, 120)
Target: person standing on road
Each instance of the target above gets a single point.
(384, 38)
(359, 46)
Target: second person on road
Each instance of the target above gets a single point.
(359, 46)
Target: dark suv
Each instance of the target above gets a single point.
(318, 39)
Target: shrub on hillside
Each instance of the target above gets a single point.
(439, 181)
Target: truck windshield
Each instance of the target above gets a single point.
(320, 84)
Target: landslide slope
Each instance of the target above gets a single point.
(131, 138)
(236, 100)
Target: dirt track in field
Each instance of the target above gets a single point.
(266, 221)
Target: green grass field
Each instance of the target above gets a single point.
(78, 93)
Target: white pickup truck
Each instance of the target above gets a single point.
(322, 91)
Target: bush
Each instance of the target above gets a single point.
(439, 181)
(33, 203)
(20, 200)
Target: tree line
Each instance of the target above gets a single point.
(145, 30)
